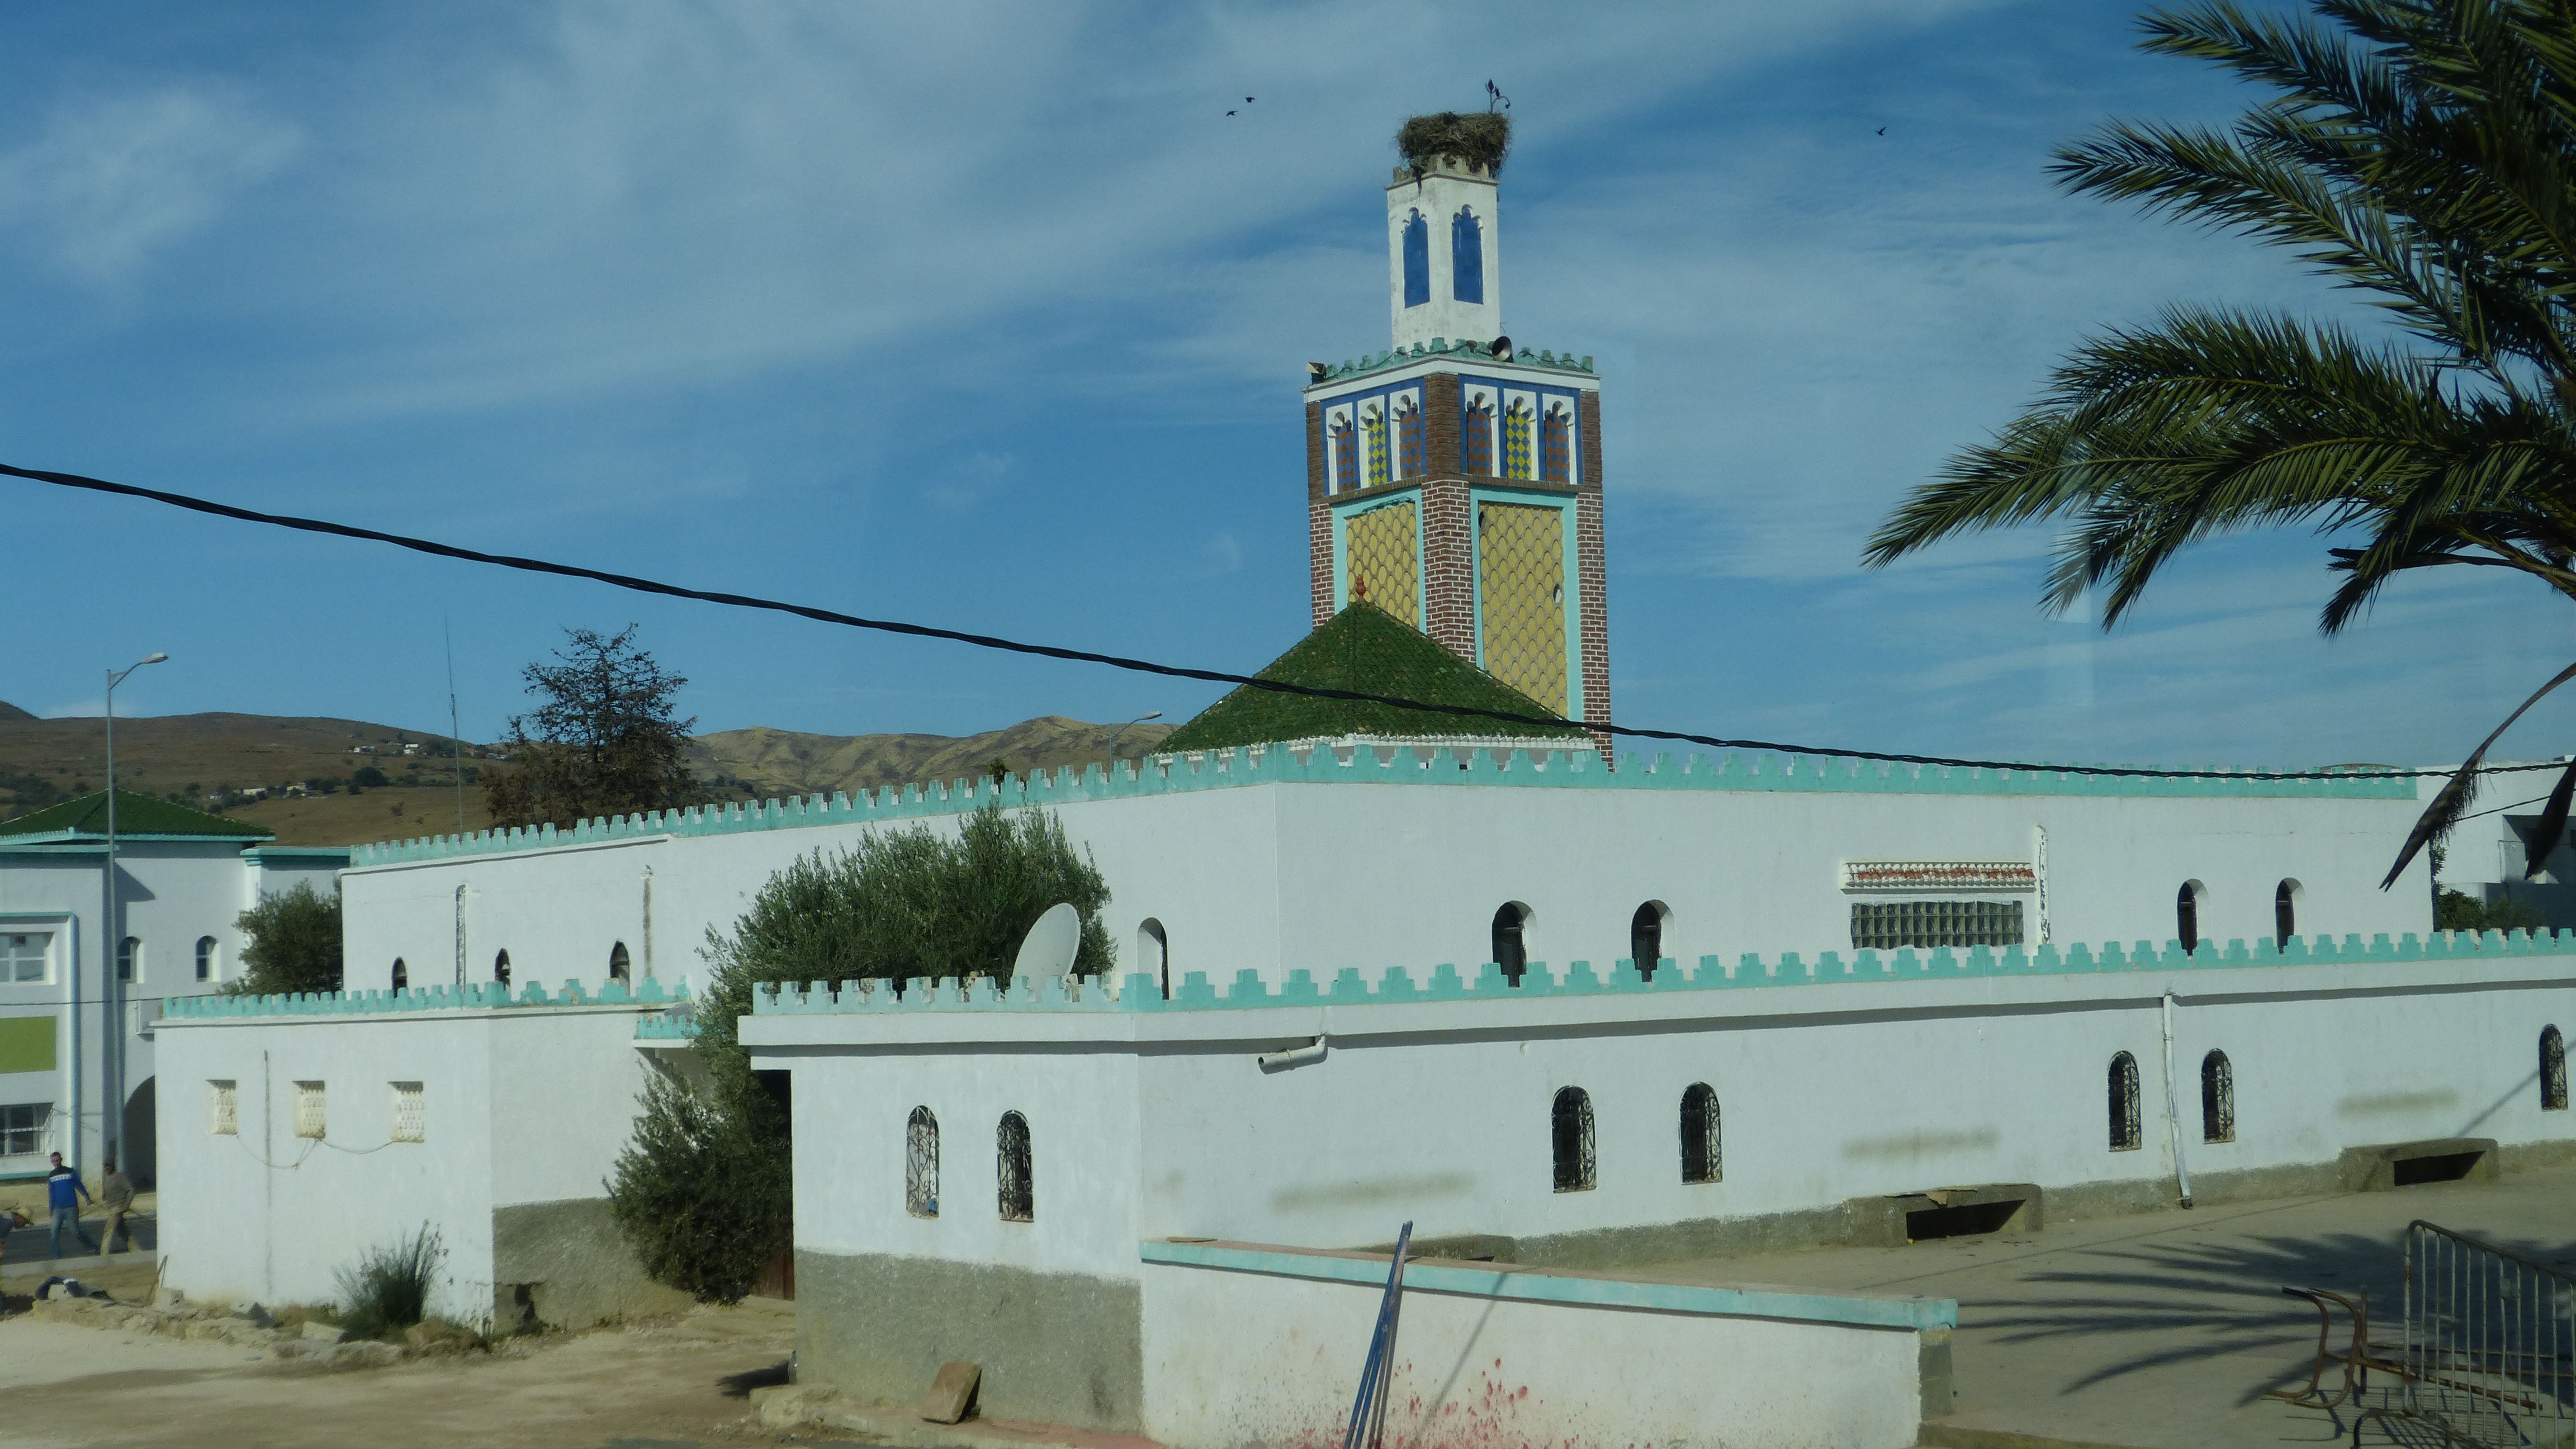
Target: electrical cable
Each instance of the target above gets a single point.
(1146, 666)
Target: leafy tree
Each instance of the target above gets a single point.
(2460, 911)
(702, 1191)
(2422, 152)
(369, 776)
(603, 740)
(291, 943)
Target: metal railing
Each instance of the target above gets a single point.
(2486, 1353)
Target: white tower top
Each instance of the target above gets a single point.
(1444, 254)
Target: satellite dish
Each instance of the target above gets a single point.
(1051, 945)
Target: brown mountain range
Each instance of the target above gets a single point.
(213, 760)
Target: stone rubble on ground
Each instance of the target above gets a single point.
(314, 1342)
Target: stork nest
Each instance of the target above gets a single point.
(1476, 138)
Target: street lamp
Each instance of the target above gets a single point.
(112, 994)
(1122, 729)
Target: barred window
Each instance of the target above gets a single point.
(310, 1118)
(501, 967)
(2553, 1070)
(2217, 1099)
(223, 1109)
(921, 1164)
(2124, 1103)
(1570, 1133)
(1011, 1165)
(1479, 439)
(1555, 447)
(1346, 456)
(22, 1129)
(411, 1113)
(1511, 940)
(1702, 1160)
(1408, 442)
(1936, 923)
(1646, 937)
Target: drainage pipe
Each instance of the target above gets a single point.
(2173, 1109)
(1312, 1051)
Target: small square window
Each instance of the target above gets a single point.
(223, 1109)
(22, 957)
(411, 1114)
(22, 1128)
(310, 1120)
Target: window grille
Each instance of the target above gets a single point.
(2553, 1070)
(1646, 938)
(1346, 459)
(1555, 447)
(1373, 427)
(1511, 941)
(223, 1109)
(1936, 923)
(1516, 441)
(22, 958)
(1479, 439)
(2285, 913)
(310, 1119)
(127, 952)
(1570, 1127)
(1011, 1166)
(205, 958)
(921, 1164)
(2124, 1103)
(1702, 1159)
(2217, 1099)
(2187, 916)
(22, 1128)
(1408, 443)
(411, 1113)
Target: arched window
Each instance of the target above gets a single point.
(1516, 441)
(2553, 1070)
(2187, 916)
(921, 1164)
(2217, 1099)
(1154, 954)
(1466, 257)
(206, 958)
(1417, 260)
(2285, 913)
(1646, 936)
(1011, 1167)
(1570, 1133)
(1702, 1160)
(618, 966)
(402, 974)
(1511, 940)
(129, 953)
(1373, 428)
(1556, 447)
(1408, 441)
(1346, 454)
(501, 967)
(2124, 1103)
(1478, 440)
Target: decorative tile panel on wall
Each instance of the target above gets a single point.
(1520, 573)
(1384, 557)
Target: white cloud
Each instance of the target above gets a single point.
(112, 181)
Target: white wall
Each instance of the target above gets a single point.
(1487, 1368)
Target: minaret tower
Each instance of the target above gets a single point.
(1454, 480)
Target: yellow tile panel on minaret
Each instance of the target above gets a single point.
(1382, 551)
(1520, 578)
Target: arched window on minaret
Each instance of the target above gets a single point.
(1408, 440)
(1417, 260)
(1466, 257)
(1373, 424)
(1480, 439)
(1516, 441)
(1555, 447)
(1346, 454)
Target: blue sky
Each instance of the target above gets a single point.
(987, 315)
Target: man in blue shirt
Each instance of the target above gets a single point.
(62, 1185)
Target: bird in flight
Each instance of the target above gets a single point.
(1881, 130)
(1247, 100)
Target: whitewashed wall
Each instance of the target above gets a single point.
(1273, 877)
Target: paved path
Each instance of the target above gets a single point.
(27, 1245)
(2163, 1330)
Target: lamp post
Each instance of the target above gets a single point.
(112, 992)
(1122, 729)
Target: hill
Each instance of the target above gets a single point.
(214, 761)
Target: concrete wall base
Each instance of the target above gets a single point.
(1061, 1348)
(566, 1265)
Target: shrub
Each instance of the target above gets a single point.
(293, 943)
(2459, 911)
(389, 1289)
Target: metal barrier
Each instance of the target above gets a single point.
(2486, 1354)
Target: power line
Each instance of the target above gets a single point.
(1146, 666)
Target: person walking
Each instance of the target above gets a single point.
(116, 1194)
(62, 1188)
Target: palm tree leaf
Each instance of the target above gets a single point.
(2553, 823)
(2453, 797)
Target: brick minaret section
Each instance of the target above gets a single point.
(1593, 576)
(1448, 537)
(1319, 519)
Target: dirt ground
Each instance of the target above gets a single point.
(667, 1382)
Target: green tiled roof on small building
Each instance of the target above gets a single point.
(1365, 649)
(86, 818)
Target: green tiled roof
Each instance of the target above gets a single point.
(1439, 346)
(1366, 649)
(135, 815)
